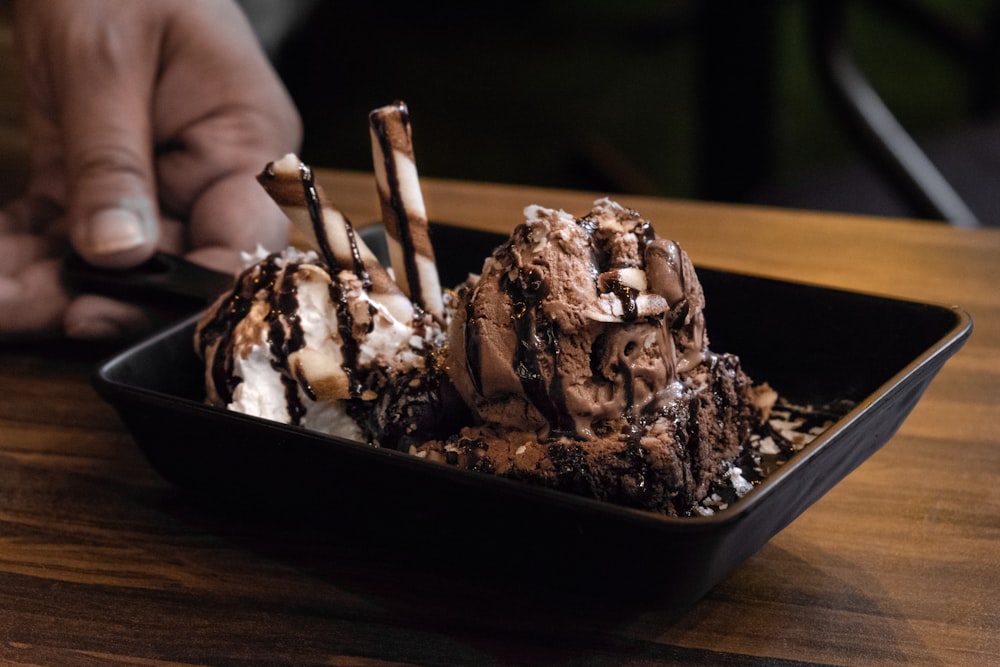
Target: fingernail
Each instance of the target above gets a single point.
(117, 229)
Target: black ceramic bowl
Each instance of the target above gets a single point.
(814, 345)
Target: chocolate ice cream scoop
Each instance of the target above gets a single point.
(578, 324)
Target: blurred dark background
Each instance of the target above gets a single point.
(704, 99)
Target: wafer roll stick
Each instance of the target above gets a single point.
(290, 184)
(403, 211)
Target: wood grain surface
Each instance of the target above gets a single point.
(103, 562)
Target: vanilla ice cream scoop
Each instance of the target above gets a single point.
(295, 344)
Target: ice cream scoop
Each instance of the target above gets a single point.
(576, 324)
(581, 349)
(297, 343)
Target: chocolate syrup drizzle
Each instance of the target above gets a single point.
(626, 295)
(402, 229)
(538, 334)
(225, 318)
(623, 369)
(345, 320)
(315, 207)
(287, 337)
(349, 348)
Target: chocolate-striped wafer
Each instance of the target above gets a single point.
(290, 184)
(403, 211)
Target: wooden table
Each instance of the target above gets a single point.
(102, 561)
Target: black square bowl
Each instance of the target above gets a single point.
(814, 345)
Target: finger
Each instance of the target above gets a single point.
(90, 316)
(237, 213)
(17, 251)
(173, 235)
(229, 111)
(33, 300)
(28, 214)
(217, 258)
(105, 113)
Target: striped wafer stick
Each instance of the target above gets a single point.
(403, 212)
(290, 184)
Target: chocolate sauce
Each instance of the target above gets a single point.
(626, 295)
(315, 207)
(283, 318)
(646, 235)
(537, 334)
(226, 317)
(316, 214)
(286, 337)
(349, 346)
(624, 370)
(296, 410)
(303, 382)
(359, 264)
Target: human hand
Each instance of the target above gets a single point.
(147, 123)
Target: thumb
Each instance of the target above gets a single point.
(106, 120)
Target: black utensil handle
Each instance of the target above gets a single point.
(163, 277)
